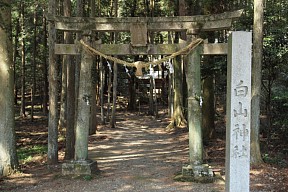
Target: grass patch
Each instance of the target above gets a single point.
(25, 154)
(141, 177)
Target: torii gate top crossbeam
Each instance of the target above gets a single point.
(138, 27)
(179, 23)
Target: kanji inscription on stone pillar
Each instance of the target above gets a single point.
(238, 112)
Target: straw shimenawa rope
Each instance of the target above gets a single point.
(142, 64)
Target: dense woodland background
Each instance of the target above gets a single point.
(30, 62)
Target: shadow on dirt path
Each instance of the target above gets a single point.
(139, 155)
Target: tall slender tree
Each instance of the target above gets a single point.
(15, 56)
(256, 81)
(23, 60)
(102, 84)
(109, 94)
(65, 62)
(33, 89)
(44, 67)
(8, 156)
(53, 91)
(208, 107)
(178, 111)
(115, 76)
(70, 123)
(93, 120)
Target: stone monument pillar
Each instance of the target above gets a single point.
(237, 165)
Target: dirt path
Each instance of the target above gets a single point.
(140, 156)
(136, 156)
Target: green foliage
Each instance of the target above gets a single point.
(276, 37)
(275, 61)
(278, 159)
(87, 177)
(245, 22)
(26, 32)
(25, 154)
(133, 8)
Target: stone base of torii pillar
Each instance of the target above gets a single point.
(86, 167)
(197, 173)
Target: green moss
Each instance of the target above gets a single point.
(204, 179)
(87, 177)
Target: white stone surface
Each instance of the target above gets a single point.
(238, 112)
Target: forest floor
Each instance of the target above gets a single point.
(137, 155)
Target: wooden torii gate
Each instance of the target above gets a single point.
(139, 27)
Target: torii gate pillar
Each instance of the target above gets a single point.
(81, 165)
(195, 168)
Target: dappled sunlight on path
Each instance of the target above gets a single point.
(139, 155)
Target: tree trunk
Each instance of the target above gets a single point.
(171, 95)
(151, 96)
(93, 8)
(113, 115)
(70, 129)
(115, 76)
(163, 85)
(70, 96)
(102, 79)
(63, 100)
(33, 90)
(68, 39)
(152, 104)
(23, 67)
(208, 107)
(132, 92)
(182, 12)
(109, 94)
(15, 55)
(44, 68)
(170, 84)
(208, 111)
(93, 120)
(70, 126)
(8, 157)
(256, 82)
(178, 118)
(53, 91)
